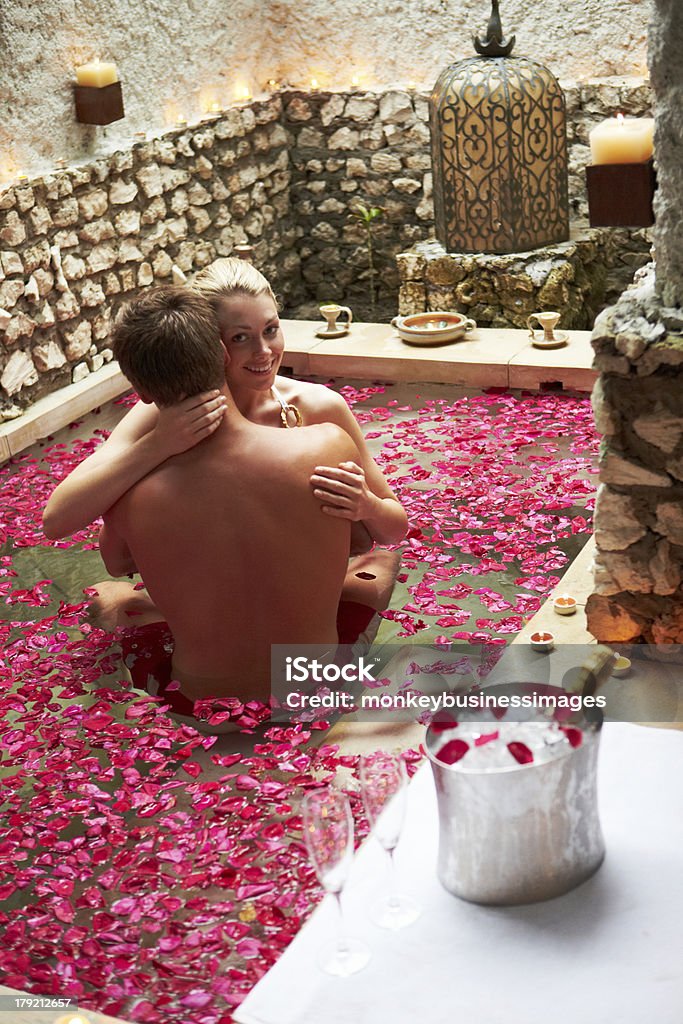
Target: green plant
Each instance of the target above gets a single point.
(367, 217)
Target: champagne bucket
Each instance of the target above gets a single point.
(519, 834)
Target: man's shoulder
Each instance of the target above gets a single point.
(155, 488)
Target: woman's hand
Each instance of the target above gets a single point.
(185, 424)
(343, 491)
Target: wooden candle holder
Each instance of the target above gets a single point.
(98, 104)
(620, 195)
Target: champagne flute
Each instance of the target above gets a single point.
(328, 834)
(384, 784)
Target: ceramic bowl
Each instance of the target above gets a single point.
(434, 328)
(543, 640)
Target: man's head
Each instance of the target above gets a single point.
(168, 344)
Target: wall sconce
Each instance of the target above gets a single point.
(621, 181)
(97, 93)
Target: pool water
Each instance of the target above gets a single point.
(155, 873)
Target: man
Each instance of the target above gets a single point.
(228, 536)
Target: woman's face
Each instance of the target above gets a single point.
(250, 330)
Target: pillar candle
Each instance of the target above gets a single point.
(97, 74)
(622, 140)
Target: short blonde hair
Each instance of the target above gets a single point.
(231, 276)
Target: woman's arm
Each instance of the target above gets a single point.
(359, 492)
(144, 438)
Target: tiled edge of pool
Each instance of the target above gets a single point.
(486, 358)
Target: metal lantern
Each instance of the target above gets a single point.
(499, 151)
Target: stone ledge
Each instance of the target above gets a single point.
(60, 408)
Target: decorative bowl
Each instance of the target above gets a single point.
(433, 328)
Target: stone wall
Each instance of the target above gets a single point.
(176, 56)
(76, 243)
(281, 174)
(639, 511)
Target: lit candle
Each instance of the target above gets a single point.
(542, 641)
(314, 83)
(97, 74)
(72, 1018)
(181, 122)
(272, 84)
(565, 605)
(22, 178)
(622, 665)
(216, 108)
(622, 140)
(244, 93)
(355, 82)
(412, 86)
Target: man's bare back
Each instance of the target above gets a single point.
(236, 553)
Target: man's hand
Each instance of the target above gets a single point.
(343, 491)
(185, 424)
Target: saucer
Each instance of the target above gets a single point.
(339, 333)
(561, 338)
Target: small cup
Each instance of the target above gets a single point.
(548, 322)
(331, 312)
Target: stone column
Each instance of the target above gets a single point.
(666, 72)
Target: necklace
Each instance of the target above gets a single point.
(287, 411)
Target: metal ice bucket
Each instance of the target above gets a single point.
(520, 834)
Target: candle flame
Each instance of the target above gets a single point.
(314, 83)
(620, 120)
(215, 108)
(355, 80)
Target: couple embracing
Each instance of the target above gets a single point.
(237, 494)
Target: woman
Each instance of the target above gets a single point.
(147, 436)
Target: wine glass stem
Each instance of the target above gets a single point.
(393, 900)
(342, 941)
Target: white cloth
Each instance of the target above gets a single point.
(609, 952)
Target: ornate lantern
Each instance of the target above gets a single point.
(499, 151)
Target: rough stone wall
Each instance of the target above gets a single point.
(77, 243)
(176, 55)
(349, 147)
(639, 510)
(666, 49)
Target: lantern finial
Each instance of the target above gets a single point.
(494, 45)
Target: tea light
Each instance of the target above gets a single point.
(97, 74)
(314, 83)
(411, 86)
(21, 178)
(72, 1018)
(355, 82)
(565, 605)
(621, 666)
(272, 84)
(181, 122)
(542, 641)
(216, 108)
(60, 164)
(622, 140)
